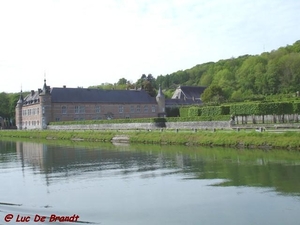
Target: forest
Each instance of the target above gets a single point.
(247, 77)
(270, 75)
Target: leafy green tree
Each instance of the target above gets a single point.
(122, 81)
(213, 93)
(4, 105)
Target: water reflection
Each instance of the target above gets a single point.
(157, 184)
(275, 169)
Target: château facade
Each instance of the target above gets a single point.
(39, 108)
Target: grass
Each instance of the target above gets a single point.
(224, 138)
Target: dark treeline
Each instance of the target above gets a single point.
(248, 77)
(8, 102)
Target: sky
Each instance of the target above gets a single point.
(81, 43)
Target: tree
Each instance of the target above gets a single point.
(122, 81)
(4, 105)
(213, 93)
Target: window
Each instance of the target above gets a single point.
(64, 110)
(145, 108)
(76, 109)
(97, 109)
(121, 109)
(38, 111)
(57, 119)
(33, 111)
(82, 109)
(132, 109)
(138, 108)
(153, 108)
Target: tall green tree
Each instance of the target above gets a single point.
(4, 105)
(213, 93)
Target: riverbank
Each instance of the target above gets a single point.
(225, 138)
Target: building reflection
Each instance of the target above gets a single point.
(68, 160)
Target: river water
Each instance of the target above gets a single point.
(92, 183)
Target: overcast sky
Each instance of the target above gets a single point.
(89, 42)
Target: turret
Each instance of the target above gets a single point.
(19, 107)
(45, 106)
(160, 99)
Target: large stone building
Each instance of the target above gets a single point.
(39, 108)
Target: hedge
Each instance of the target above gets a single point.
(266, 108)
(147, 120)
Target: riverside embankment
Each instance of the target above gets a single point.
(238, 138)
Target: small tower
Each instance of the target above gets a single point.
(45, 106)
(160, 99)
(19, 107)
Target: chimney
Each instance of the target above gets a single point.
(32, 92)
(39, 90)
(64, 86)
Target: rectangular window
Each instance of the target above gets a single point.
(121, 109)
(138, 108)
(97, 109)
(145, 108)
(64, 110)
(153, 108)
(132, 109)
(82, 109)
(57, 119)
(76, 109)
(38, 111)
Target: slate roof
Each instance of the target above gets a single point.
(180, 102)
(82, 95)
(188, 92)
(33, 97)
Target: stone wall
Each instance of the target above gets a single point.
(145, 126)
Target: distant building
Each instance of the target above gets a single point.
(39, 108)
(186, 95)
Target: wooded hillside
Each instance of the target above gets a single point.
(245, 77)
